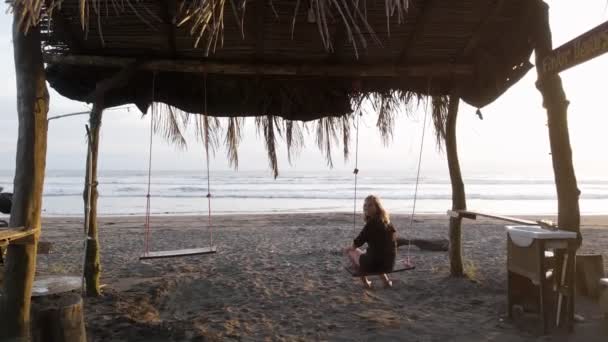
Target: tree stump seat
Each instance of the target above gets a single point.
(604, 296)
(589, 272)
(58, 317)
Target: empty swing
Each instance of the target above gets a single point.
(403, 264)
(177, 252)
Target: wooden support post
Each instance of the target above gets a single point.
(458, 195)
(32, 109)
(92, 266)
(554, 100)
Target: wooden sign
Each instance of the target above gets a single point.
(580, 49)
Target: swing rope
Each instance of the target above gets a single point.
(181, 252)
(356, 172)
(411, 225)
(147, 222)
(209, 226)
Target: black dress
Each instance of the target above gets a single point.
(382, 247)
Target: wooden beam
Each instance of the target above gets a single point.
(169, 8)
(424, 16)
(32, 108)
(493, 10)
(260, 13)
(318, 70)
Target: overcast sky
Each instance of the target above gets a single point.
(512, 138)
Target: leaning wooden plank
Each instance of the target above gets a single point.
(178, 253)
(400, 266)
(473, 216)
(12, 235)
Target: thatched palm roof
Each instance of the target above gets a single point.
(268, 50)
(294, 59)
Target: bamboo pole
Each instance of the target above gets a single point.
(32, 109)
(458, 194)
(92, 267)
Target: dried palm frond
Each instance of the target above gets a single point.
(266, 124)
(206, 19)
(440, 115)
(294, 138)
(387, 105)
(327, 135)
(233, 138)
(346, 122)
(30, 12)
(168, 122)
(208, 130)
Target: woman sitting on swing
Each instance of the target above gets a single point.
(380, 236)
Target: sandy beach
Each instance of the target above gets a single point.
(281, 278)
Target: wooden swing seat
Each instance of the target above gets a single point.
(400, 266)
(178, 253)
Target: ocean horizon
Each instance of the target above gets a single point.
(233, 192)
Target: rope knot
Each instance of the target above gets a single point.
(356, 171)
(208, 195)
(147, 195)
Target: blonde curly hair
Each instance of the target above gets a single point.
(381, 213)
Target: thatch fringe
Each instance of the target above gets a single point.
(294, 138)
(232, 140)
(266, 124)
(346, 122)
(328, 131)
(440, 115)
(170, 123)
(209, 130)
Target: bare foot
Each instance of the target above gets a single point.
(366, 283)
(387, 281)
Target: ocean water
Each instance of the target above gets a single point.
(183, 193)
